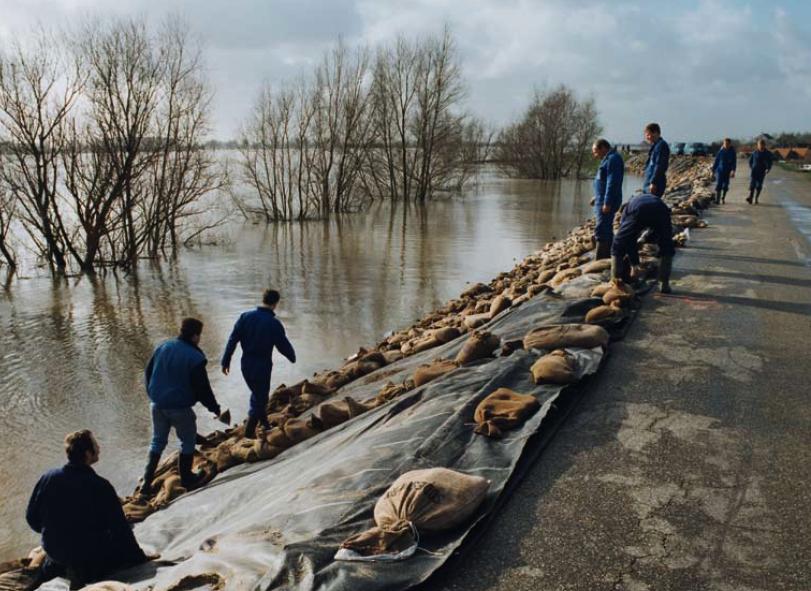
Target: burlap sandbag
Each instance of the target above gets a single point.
(499, 304)
(563, 276)
(620, 293)
(431, 371)
(503, 410)
(597, 266)
(603, 313)
(478, 346)
(298, 430)
(446, 334)
(545, 276)
(560, 336)
(109, 586)
(557, 367)
(600, 290)
(333, 413)
(477, 320)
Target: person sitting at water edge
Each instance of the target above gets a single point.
(607, 195)
(176, 380)
(643, 211)
(258, 331)
(84, 532)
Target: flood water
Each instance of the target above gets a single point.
(72, 351)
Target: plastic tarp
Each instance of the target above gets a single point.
(277, 524)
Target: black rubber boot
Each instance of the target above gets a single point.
(749, 199)
(149, 474)
(617, 268)
(188, 479)
(718, 197)
(603, 250)
(250, 428)
(665, 267)
(757, 196)
(724, 196)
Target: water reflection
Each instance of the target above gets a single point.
(72, 352)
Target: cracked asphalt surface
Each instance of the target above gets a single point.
(687, 463)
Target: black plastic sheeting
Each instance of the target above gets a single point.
(277, 524)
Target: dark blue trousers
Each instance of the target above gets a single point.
(257, 378)
(722, 181)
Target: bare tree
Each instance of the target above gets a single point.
(552, 138)
(7, 211)
(38, 88)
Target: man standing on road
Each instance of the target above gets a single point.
(760, 163)
(658, 161)
(607, 195)
(176, 380)
(259, 332)
(84, 532)
(643, 211)
(726, 161)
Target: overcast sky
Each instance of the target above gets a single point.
(702, 68)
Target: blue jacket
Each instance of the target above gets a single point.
(643, 211)
(176, 377)
(608, 181)
(259, 332)
(726, 160)
(656, 165)
(81, 521)
(760, 162)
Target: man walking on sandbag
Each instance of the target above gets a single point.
(726, 161)
(760, 163)
(607, 195)
(85, 535)
(658, 161)
(258, 331)
(643, 211)
(176, 380)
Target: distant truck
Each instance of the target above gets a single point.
(697, 149)
(678, 148)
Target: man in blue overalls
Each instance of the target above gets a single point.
(259, 332)
(726, 161)
(607, 195)
(643, 211)
(760, 163)
(658, 161)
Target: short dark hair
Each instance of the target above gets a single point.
(726, 139)
(77, 444)
(602, 143)
(190, 327)
(653, 128)
(271, 297)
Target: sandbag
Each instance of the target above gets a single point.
(392, 356)
(109, 586)
(503, 410)
(331, 414)
(431, 371)
(446, 334)
(545, 276)
(499, 304)
(478, 346)
(428, 501)
(557, 367)
(597, 266)
(559, 336)
(297, 430)
(620, 292)
(474, 290)
(603, 313)
(563, 276)
(477, 320)
(600, 290)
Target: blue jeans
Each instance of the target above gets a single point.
(182, 419)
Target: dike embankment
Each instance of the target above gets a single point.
(278, 507)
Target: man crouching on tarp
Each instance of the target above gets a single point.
(176, 380)
(84, 532)
(258, 331)
(643, 211)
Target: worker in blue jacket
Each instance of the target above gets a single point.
(607, 195)
(641, 212)
(176, 380)
(258, 331)
(84, 532)
(726, 162)
(658, 161)
(760, 163)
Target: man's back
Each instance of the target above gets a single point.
(258, 331)
(169, 374)
(78, 514)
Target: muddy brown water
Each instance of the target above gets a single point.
(72, 352)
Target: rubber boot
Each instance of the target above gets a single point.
(665, 267)
(188, 479)
(751, 194)
(617, 268)
(250, 428)
(603, 250)
(149, 474)
(718, 197)
(757, 196)
(724, 196)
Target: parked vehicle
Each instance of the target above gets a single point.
(697, 149)
(678, 148)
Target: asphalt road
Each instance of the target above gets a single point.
(687, 464)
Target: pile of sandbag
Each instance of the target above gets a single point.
(417, 504)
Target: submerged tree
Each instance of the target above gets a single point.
(552, 139)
